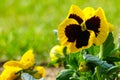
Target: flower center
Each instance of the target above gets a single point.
(83, 26)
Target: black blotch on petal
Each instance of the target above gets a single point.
(77, 18)
(83, 39)
(93, 24)
(74, 33)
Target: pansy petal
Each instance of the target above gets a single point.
(9, 73)
(27, 59)
(61, 30)
(99, 25)
(56, 52)
(104, 27)
(88, 12)
(76, 13)
(11, 64)
(41, 72)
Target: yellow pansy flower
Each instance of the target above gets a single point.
(9, 73)
(12, 67)
(40, 72)
(82, 28)
(10, 70)
(27, 59)
(55, 53)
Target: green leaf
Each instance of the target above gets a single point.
(73, 60)
(108, 45)
(65, 51)
(94, 50)
(113, 52)
(75, 76)
(112, 70)
(112, 59)
(65, 74)
(97, 61)
(26, 76)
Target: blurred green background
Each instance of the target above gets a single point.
(26, 24)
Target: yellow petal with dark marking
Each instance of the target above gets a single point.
(76, 13)
(61, 30)
(99, 25)
(104, 29)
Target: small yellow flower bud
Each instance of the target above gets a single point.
(40, 72)
(83, 67)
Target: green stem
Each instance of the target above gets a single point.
(101, 52)
(97, 73)
(97, 68)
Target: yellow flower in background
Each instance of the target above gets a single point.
(10, 70)
(27, 60)
(82, 28)
(55, 53)
(40, 72)
(13, 67)
(9, 73)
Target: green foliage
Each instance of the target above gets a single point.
(105, 70)
(110, 53)
(93, 50)
(112, 59)
(65, 74)
(72, 61)
(112, 69)
(26, 76)
(99, 60)
(51, 63)
(108, 45)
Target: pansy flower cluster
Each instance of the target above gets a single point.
(14, 69)
(83, 28)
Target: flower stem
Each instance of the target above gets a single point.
(101, 52)
(97, 73)
(100, 57)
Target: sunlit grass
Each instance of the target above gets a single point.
(28, 24)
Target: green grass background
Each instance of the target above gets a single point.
(26, 24)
